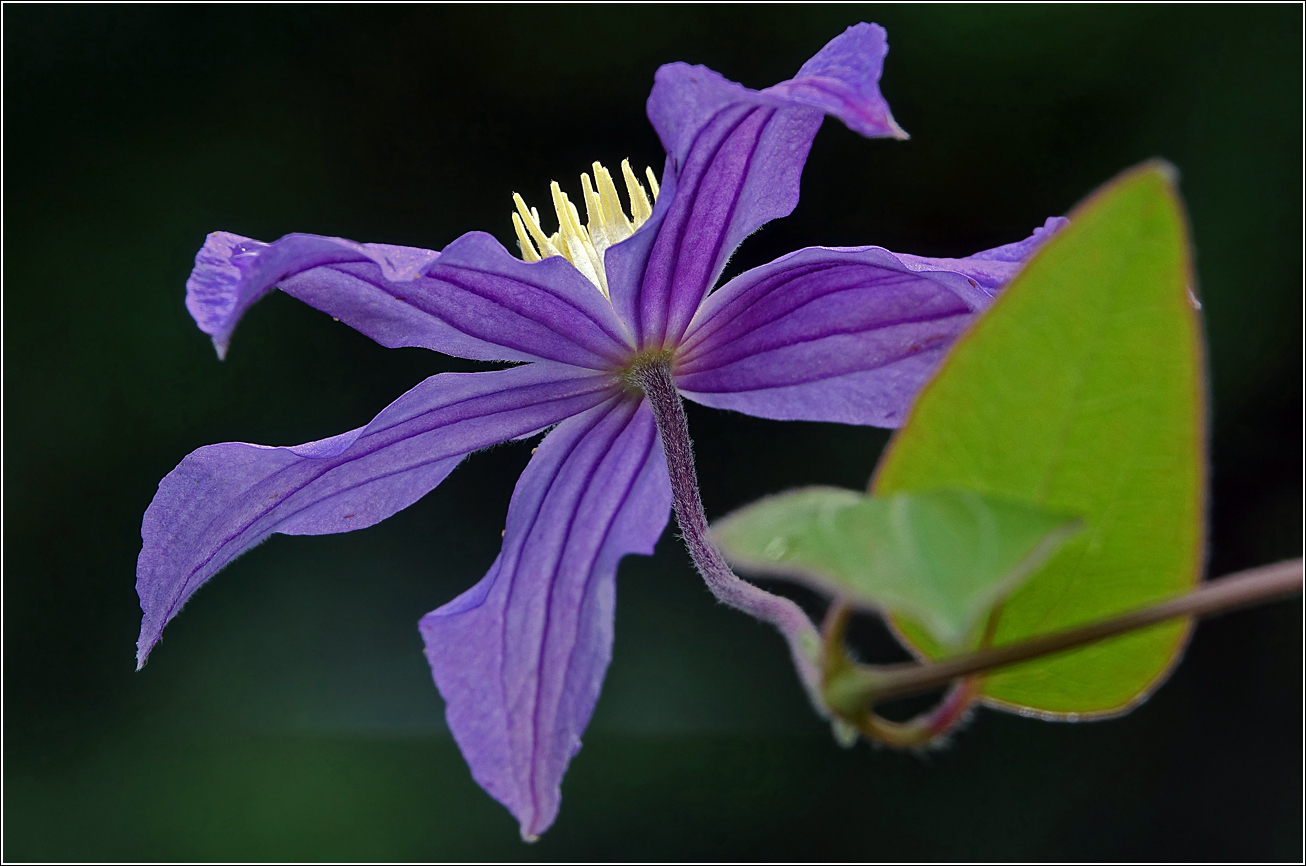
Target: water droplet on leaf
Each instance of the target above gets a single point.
(776, 549)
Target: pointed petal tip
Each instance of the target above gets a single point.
(595, 490)
(145, 644)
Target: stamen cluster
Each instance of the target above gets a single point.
(607, 223)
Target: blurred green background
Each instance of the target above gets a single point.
(289, 713)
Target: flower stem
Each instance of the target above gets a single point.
(654, 379)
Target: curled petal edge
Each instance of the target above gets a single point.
(232, 272)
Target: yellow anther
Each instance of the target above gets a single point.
(575, 241)
(532, 220)
(606, 222)
(615, 224)
(652, 181)
(528, 253)
(640, 208)
(594, 210)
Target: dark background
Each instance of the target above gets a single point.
(289, 714)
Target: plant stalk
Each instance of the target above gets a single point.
(1266, 583)
(654, 379)
(842, 678)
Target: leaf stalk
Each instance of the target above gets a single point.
(875, 683)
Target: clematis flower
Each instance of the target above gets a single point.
(821, 334)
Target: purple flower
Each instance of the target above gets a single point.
(846, 334)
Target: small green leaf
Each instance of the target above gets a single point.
(1081, 390)
(943, 558)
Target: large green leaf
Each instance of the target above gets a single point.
(1082, 391)
(943, 558)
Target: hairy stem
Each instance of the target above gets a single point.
(654, 379)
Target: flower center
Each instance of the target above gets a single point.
(606, 222)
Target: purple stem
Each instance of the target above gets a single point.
(653, 377)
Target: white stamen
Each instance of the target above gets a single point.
(606, 223)
(639, 206)
(532, 220)
(593, 208)
(575, 242)
(528, 252)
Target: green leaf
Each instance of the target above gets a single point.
(1082, 391)
(944, 558)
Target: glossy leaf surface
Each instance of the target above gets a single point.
(1082, 391)
(944, 558)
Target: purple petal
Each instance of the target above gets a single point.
(846, 335)
(735, 156)
(232, 272)
(224, 499)
(473, 300)
(520, 657)
(843, 79)
(994, 268)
